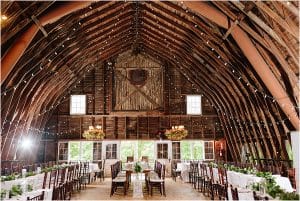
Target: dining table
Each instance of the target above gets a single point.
(243, 184)
(36, 183)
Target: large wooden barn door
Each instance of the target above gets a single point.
(137, 84)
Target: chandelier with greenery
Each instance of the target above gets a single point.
(176, 133)
(95, 133)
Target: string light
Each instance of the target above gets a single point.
(265, 95)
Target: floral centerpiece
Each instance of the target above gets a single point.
(94, 133)
(137, 168)
(176, 133)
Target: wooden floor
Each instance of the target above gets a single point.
(174, 190)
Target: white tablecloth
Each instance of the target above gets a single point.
(245, 180)
(184, 168)
(215, 173)
(35, 181)
(284, 183)
(240, 180)
(244, 194)
(137, 184)
(93, 167)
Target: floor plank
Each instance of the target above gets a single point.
(174, 190)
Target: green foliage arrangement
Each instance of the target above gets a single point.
(29, 188)
(15, 190)
(3, 193)
(269, 183)
(47, 169)
(8, 178)
(289, 196)
(137, 167)
(28, 174)
(255, 186)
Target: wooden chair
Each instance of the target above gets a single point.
(234, 193)
(222, 185)
(117, 181)
(76, 177)
(84, 175)
(208, 183)
(158, 181)
(258, 197)
(38, 197)
(174, 172)
(130, 159)
(100, 172)
(200, 178)
(67, 187)
(145, 159)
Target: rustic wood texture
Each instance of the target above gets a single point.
(131, 97)
(193, 55)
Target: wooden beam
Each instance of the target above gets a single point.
(281, 22)
(239, 18)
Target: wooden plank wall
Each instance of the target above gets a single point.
(97, 85)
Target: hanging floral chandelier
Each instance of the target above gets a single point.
(176, 133)
(94, 133)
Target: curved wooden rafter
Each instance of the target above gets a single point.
(167, 29)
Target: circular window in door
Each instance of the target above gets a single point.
(138, 76)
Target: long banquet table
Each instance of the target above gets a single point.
(35, 181)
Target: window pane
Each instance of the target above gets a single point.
(87, 151)
(63, 151)
(127, 149)
(145, 148)
(97, 151)
(111, 151)
(78, 104)
(176, 150)
(162, 151)
(186, 153)
(209, 150)
(198, 150)
(74, 151)
(193, 104)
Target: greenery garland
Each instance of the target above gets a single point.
(270, 185)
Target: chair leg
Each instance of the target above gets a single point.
(164, 189)
(125, 188)
(112, 189)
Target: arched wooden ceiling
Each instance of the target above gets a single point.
(178, 33)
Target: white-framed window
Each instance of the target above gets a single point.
(63, 151)
(111, 151)
(193, 104)
(209, 150)
(97, 151)
(175, 150)
(78, 104)
(192, 149)
(163, 149)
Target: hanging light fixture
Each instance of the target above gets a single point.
(176, 133)
(95, 133)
